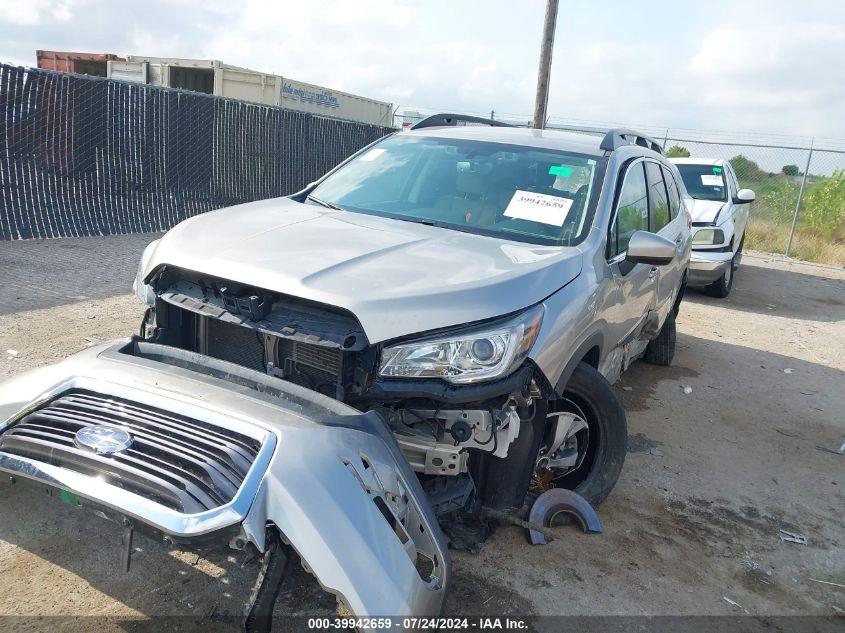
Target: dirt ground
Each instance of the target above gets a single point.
(692, 527)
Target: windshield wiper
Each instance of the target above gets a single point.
(323, 203)
(440, 225)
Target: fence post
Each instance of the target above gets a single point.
(800, 196)
(665, 139)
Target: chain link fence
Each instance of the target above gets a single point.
(83, 155)
(800, 206)
(803, 217)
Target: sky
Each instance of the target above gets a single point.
(775, 68)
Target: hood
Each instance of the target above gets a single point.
(396, 277)
(704, 210)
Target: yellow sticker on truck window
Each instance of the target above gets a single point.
(538, 207)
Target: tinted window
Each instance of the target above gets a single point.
(674, 194)
(511, 191)
(704, 182)
(632, 210)
(658, 201)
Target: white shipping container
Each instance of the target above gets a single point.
(247, 85)
(215, 77)
(297, 95)
(128, 71)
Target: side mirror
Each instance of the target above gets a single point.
(745, 195)
(650, 248)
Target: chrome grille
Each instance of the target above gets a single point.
(179, 462)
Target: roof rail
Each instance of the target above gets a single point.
(441, 120)
(617, 137)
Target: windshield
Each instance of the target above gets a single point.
(704, 182)
(510, 191)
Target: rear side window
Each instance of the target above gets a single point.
(631, 211)
(674, 194)
(658, 200)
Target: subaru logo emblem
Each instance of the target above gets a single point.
(103, 440)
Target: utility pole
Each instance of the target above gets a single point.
(541, 101)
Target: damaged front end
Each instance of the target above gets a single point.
(191, 449)
(474, 441)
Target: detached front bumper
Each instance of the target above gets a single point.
(332, 480)
(706, 267)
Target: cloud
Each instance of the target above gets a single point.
(787, 73)
(23, 12)
(769, 67)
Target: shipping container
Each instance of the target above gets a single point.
(80, 63)
(214, 77)
(297, 95)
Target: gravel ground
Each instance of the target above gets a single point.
(711, 477)
(45, 273)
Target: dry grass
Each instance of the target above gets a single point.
(764, 235)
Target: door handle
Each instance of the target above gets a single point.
(653, 272)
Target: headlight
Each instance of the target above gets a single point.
(479, 354)
(144, 293)
(708, 237)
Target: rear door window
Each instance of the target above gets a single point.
(674, 194)
(658, 199)
(631, 211)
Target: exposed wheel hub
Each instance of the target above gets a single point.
(562, 454)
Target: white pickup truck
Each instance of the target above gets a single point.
(719, 211)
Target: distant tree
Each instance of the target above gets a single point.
(791, 170)
(746, 169)
(676, 151)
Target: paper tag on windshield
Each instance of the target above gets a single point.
(373, 154)
(710, 180)
(538, 207)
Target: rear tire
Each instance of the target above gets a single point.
(661, 349)
(590, 395)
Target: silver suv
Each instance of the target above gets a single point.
(479, 286)
(421, 337)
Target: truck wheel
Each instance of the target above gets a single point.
(721, 288)
(661, 349)
(737, 260)
(601, 446)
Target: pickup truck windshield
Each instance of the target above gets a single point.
(509, 191)
(704, 182)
